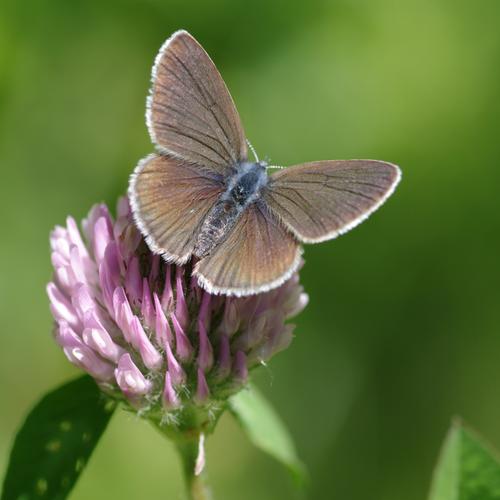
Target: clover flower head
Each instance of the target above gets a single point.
(146, 331)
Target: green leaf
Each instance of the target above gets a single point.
(56, 440)
(468, 469)
(266, 430)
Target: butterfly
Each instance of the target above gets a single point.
(200, 197)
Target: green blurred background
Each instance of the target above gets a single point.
(403, 327)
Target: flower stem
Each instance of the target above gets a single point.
(195, 480)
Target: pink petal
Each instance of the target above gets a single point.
(155, 267)
(133, 281)
(61, 243)
(205, 352)
(58, 233)
(123, 314)
(112, 261)
(181, 309)
(75, 237)
(95, 213)
(183, 347)
(254, 333)
(61, 308)
(170, 399)
(81, 355)
(202, 390)
(204, 314)
(82, 299)
(150, 356)
(162, 328)
(177, 374)
(64, 278)
(240, 370)
(292, 309)
(129, 378)
(147, 305)
(123, 207)
(279, 339)
(102, 237)
(58, 260)
(224, 358)
(231, 320)
(168, 294)
(96, 336)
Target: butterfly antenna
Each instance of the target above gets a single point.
(276, 166)
(253, 151)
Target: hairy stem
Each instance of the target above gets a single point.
(195, 480)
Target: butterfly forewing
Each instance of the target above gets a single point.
(170, 198)
(190, 112)
(318, 201)
(258, 254)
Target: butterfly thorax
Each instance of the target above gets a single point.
(242, 189)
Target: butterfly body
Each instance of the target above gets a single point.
(243, 188)
(199, 196)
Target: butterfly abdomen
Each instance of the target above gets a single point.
(219, 220)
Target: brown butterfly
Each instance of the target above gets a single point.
(200, 196)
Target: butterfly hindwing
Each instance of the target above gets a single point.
(317, 201)
(257, 255)
(170, 198)
(191, 114)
